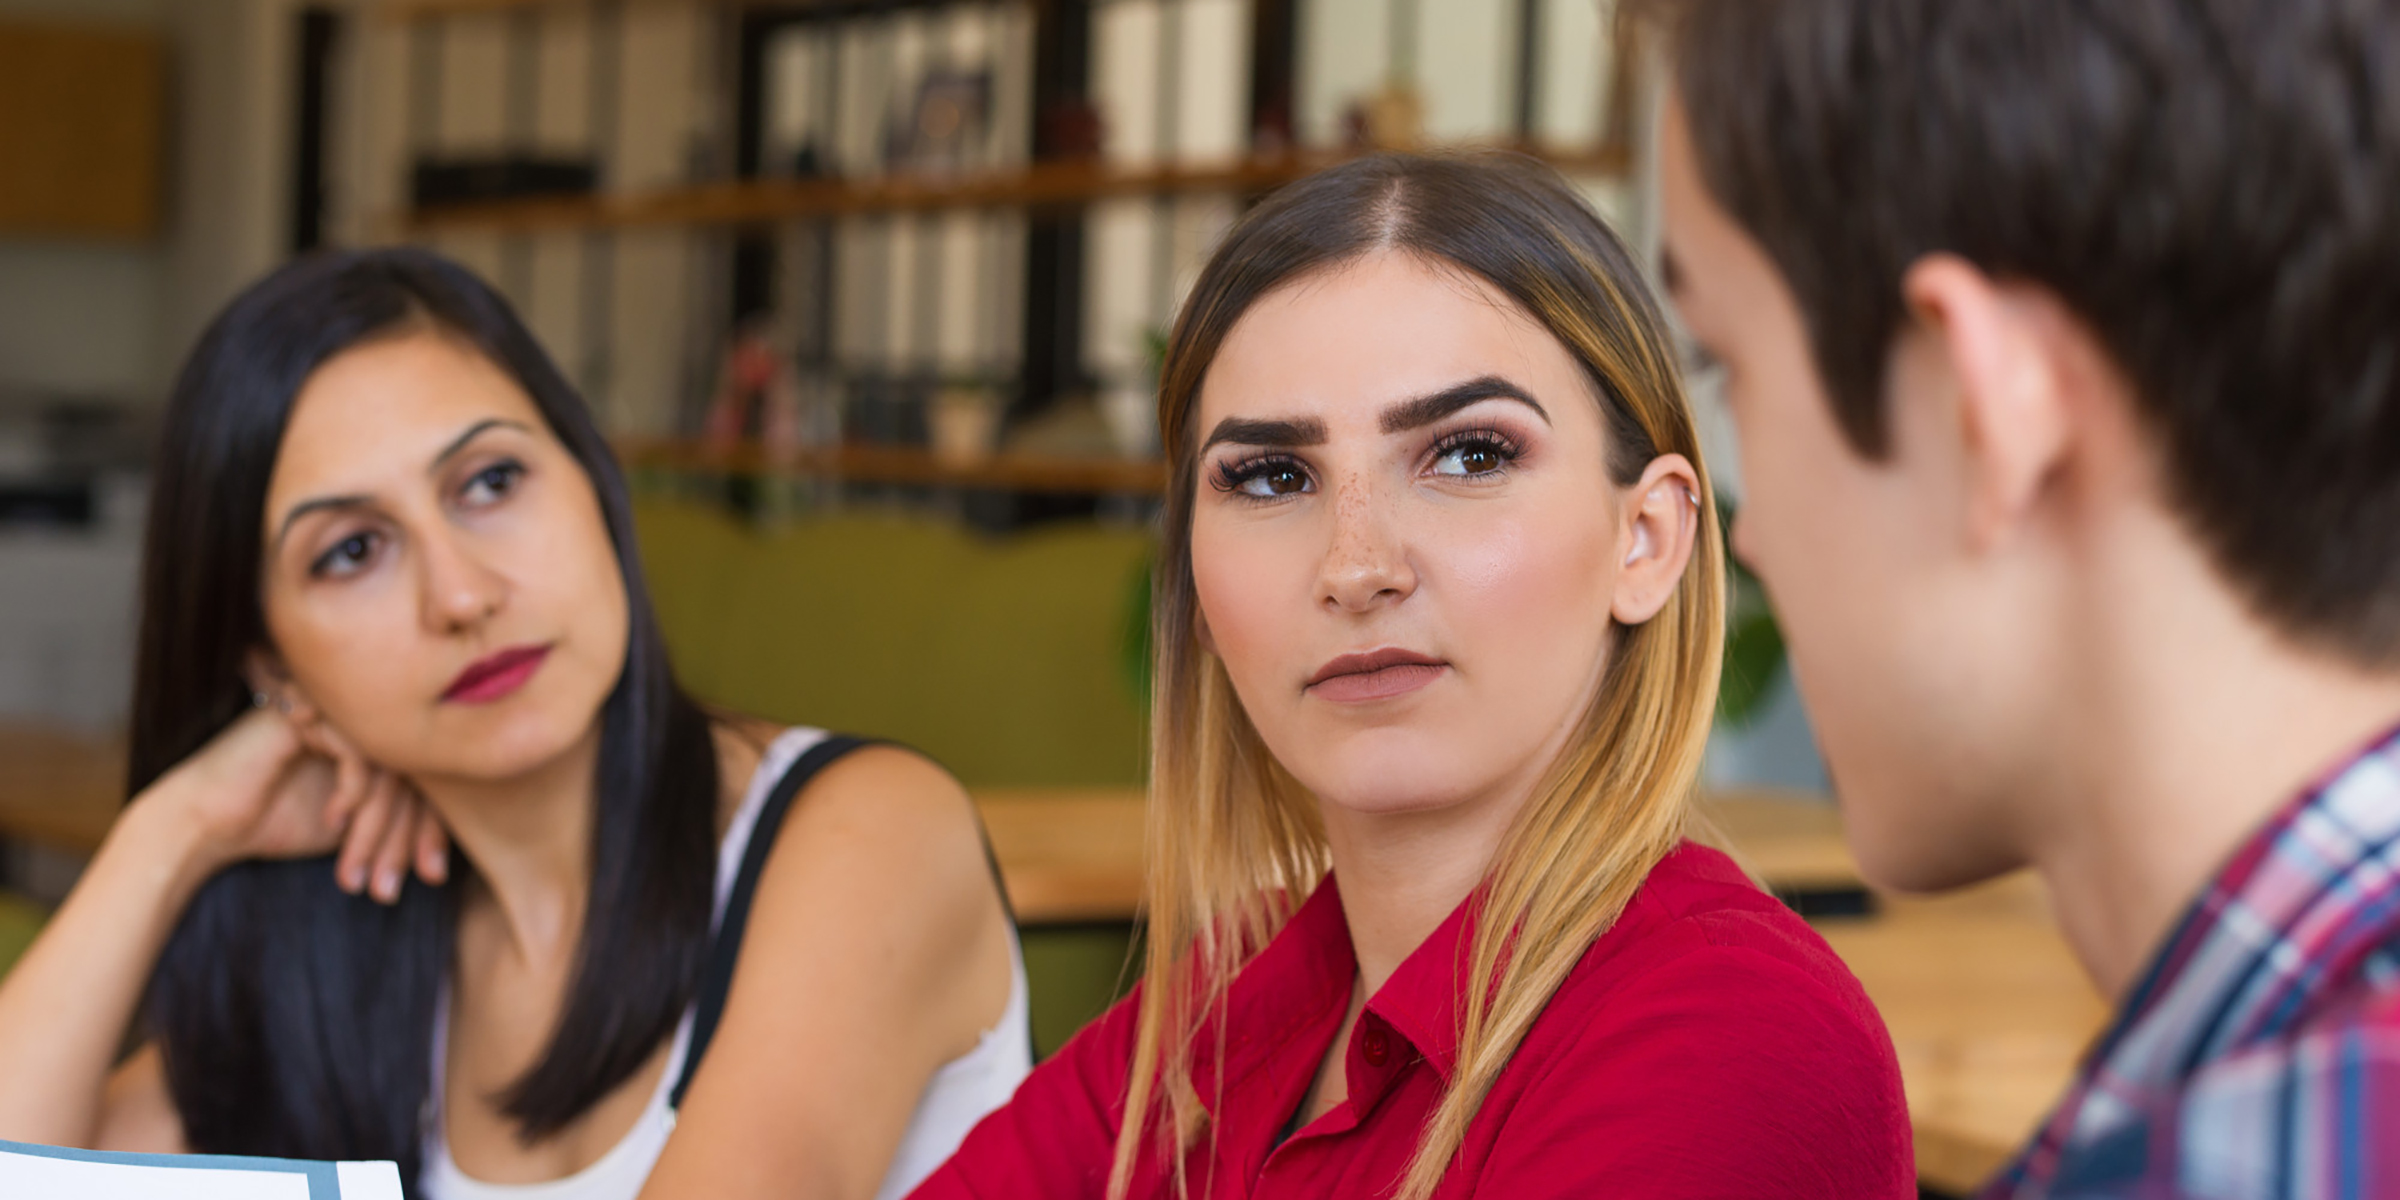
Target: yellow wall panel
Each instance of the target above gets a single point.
(81, 131)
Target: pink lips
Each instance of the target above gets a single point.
(496, 675)
(1375, 675)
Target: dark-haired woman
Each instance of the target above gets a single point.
(391, 595)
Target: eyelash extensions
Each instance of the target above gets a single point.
(1235, 475)
(1490, 440)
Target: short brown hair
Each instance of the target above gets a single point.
(2212, 186)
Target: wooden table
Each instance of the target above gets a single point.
(1791, 843)
(1989, 1011)
(1075, 854)
(57, 788)
(1988, 1008)
(1069, 855)
(1986, 1005)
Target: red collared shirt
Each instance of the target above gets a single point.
(1708, 1045)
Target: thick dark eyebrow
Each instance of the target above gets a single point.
(330, 503)
(320, 504)
(1425, 410)
(476, 430)
(1305, 431)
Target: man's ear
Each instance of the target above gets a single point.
(1662, 526)
(2001, 345)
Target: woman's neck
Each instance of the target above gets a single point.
(1403, 874)
(530, 839)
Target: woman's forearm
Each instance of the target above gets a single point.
(66, 1005)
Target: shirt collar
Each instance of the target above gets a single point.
(1300, 984)
(1290, 991)
(1422, 1000)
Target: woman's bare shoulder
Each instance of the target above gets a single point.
(741, 741)
(137, 1112)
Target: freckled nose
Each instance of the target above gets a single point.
(1366, 563)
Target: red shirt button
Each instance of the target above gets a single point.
(1374, 1048)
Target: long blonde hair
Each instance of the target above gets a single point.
(1235, 843)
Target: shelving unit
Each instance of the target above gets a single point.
(1050, 212)
(424, 10)
(1058, 185)
(905, 465)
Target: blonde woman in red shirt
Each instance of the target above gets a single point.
(1438, 631)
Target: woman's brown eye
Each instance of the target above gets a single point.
(346, 557)
(1266, 480)
(1270, 481)
(1471, 459)
(494, 481)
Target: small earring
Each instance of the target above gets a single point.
(258, 699)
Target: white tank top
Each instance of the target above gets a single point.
(958, 1095)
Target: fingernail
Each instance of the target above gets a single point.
(354, 880)
(387, 885)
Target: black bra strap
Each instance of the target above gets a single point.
(709, 1006)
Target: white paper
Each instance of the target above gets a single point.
(368, 1180)
(28, 1177)
(40, 1173)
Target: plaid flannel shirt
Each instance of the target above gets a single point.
(2260, 1054)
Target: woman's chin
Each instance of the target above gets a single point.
(501, 749)
(1388, 786)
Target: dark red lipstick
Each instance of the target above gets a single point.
(1374, 675)
(496, 675)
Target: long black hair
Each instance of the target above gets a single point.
(295, 1019)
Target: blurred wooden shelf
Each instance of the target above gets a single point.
(428, 10)
(905, 465)
(433, 10)
(1043, 185)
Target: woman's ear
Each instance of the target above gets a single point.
(272, 684)
(1662, 518)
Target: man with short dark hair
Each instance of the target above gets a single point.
(2064, 343)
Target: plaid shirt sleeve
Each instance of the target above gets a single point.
(2311, 1116)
